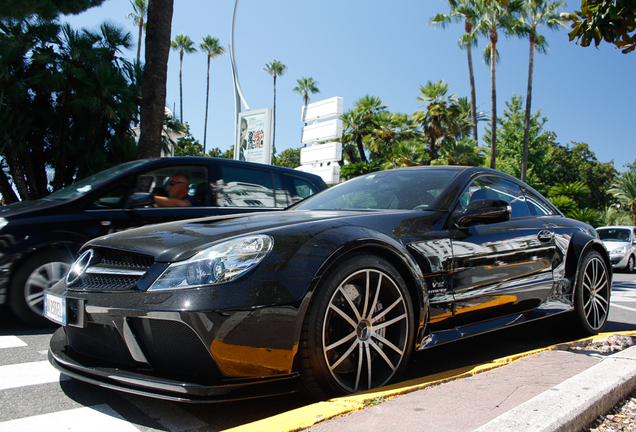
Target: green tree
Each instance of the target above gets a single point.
(155, 75)
(492, 17)
(464, 10)
(360, 121)
(188, 145)
(536, 13)
(289, 158)
(138, 15)
(405, 154)
(183, 45)
(465, 152)
(387, 131)
(67, 100)
(210, 46)
(624, 189)
(569, 164)
(306, 86)
(611, 20)
(443, 119)
(275, 68)
(46, 9)
(510, 141)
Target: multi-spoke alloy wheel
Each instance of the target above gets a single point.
(37, 274)
(592, 298)
(360, 329)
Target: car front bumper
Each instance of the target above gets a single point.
(90, 370)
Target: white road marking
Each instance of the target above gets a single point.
(27, 374)
(11, 342)
(98, 418)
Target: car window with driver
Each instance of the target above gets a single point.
(177, 189)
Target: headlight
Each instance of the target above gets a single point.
(3, 223)
(619, 251)
(218, 264)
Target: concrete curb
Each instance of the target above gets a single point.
(613, 379)
(576, 402)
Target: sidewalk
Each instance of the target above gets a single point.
(545, 390)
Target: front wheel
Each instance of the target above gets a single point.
(38, 273)
(630, 264)
(358, 332)
(592, 293)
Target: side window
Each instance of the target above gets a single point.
(114, 198)
(281, 193)
(302, 188)
(496, 188)
(537, 206)
(197, 190)
(246, 187)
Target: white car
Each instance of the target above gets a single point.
(620, 242)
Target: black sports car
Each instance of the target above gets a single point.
(330, 296)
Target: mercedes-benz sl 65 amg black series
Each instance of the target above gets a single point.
(330, 296)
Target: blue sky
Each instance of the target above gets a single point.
(386, 49)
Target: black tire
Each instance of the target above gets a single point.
(592, 293)
(358, 333)
(629, 268)
(37, 273)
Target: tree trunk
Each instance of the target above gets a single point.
(274, 125)
(493, 97)
(141, 30)
(526, 126)
(473, 96)
(207, 103)
(153, 88)
(181, 87)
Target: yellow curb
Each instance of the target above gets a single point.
(308, 416)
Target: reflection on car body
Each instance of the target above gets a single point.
(330, 296)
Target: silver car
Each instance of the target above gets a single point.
(620, 242)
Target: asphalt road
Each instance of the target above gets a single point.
(33, 396)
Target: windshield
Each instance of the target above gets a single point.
(393, 189)
(614, 234)
(87, 184)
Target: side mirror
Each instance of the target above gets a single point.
(140, 199)
(485, 211)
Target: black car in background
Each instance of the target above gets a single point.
(331, 295)
(39, 239)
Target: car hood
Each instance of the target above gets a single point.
(24, 207)
(175, 241)
(611, 245)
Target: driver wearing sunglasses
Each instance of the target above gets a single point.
(177, 193)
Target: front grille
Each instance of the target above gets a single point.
(100, 342)
(112, 270)
(172, 346)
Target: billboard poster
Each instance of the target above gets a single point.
(254, 136)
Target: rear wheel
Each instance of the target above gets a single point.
(592, 293)
(358, 333)
(38, 273)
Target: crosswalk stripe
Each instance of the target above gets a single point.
(11, 342)
(98, 418)
(26, 374)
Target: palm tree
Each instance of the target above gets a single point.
(153, 100)
(464, 10)
(624, 189)
(493, 16)
(140, 10)
(275, 69)
(211, 47)
(444, 117)
(536, 13)
(361, 120)
(306, 86)
(183, 44)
